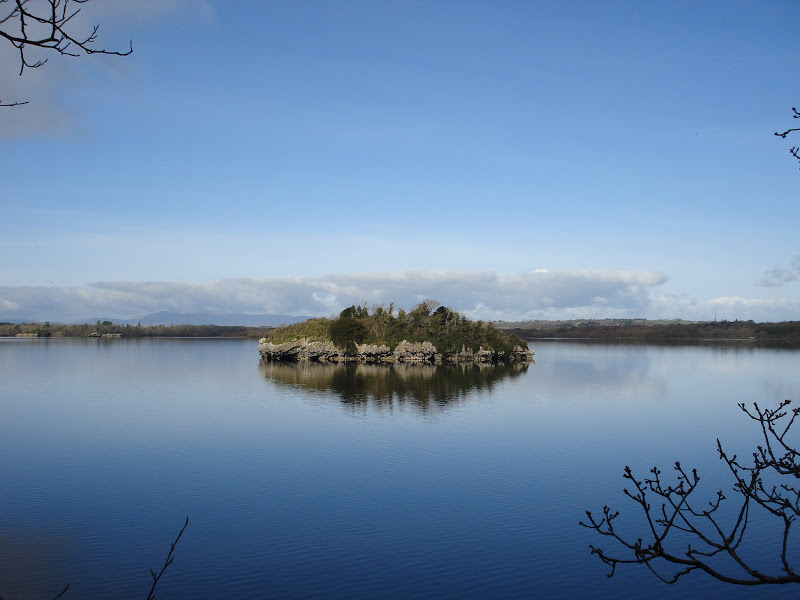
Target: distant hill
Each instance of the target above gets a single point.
(229, 319)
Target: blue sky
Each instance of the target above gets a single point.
(513, 160)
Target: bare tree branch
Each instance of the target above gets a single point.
(44, 25)
(795, 150)
(170, 558)
(700, 524)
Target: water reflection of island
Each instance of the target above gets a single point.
(385, 387)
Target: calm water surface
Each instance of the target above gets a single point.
(353, 482)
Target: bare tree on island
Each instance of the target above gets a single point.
(684, 535)
(46, 25)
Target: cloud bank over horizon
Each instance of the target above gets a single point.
(482, 295)
(486, 295)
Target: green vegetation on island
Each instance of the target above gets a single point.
(448, 330)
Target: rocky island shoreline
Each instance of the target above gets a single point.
(303, 350)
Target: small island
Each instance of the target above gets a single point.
(421, 335)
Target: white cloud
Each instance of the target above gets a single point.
(778, 276)
(8, 306)
(478, 294)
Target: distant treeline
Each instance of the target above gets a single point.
(785, 332)
(444, 326)
(85, 330)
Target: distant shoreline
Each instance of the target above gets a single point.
(107, 329)
(785, 334)
(763, 343)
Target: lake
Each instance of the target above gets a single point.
(334, 481)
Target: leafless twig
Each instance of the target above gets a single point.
(710, 538)
(795, 150)
(170, 558)
(46, 24)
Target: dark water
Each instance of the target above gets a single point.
(353, 482)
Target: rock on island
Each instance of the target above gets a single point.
(303, 350)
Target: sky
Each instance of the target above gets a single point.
(512, 160)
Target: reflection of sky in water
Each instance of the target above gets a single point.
(107, 445)
(603, 373)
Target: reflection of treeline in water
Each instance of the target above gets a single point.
(785, 332)
(445, 328)
(134, 331)
(385, 386)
